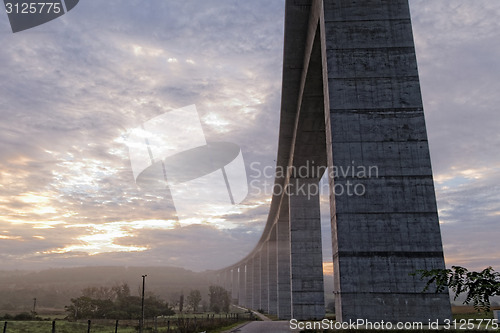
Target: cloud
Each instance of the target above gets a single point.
(459, 70)
(102, 70)
(72, 88)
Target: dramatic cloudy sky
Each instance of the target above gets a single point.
(71, 90)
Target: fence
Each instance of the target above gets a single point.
(181, 324)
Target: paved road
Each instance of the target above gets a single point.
(264, 327)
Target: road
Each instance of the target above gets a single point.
(264, 327)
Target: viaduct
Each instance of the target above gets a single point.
(351, 96)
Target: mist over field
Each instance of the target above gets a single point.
(53, 288)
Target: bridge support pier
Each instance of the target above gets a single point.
(387, 227)
(283, 258)
(256, 282)
(272, 252)
(242, 295)
(241, 286)
(308, 300)
(228, 279)
(249, 283)
(264, 278)
(234, 285)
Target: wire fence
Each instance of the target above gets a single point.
(179, 324)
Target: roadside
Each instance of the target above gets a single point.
(238, 328)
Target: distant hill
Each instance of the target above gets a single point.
(53, 288)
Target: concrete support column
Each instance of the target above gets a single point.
(283, 263)
(272, 262)
(308, 301)
(242, 295)
(387, 227)
(218, 279)
(264, 278)
(249, 284)
(256, 282)
(235, 285)
(227, 280)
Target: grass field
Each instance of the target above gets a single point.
(62, 327)
(108, 326)
(69, 327)
(187, 323)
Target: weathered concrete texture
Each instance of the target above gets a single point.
(264, 278)
(283, 239)
(306, 253)
(256, 282)
(242, 293)
(228, 279)
(377, 122)
(249, 283)
(272, 252)
(235, 285)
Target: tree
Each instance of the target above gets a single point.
(119, 305)
(81, 307)
(121, 291)
(155, 307)
(194, 299)
(479, 286)
(219, 299)
(181, 303)
(204, 306)
(168, 310)
(101, 292)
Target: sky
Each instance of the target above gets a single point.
(72, 90)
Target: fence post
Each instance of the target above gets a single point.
(89, 326)
(168, 325)
(53, 326)
(116, 326)
(5, 327)
(156, 324)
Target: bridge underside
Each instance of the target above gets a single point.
(351, 104)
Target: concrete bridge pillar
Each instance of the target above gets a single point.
(256, 305)
(234, 285)
(272, 253)
(308, 300)
(218, 278)
(388, 227)
(228, 280)
(283, 259)
(249, 283)
(242, 295)
(264, 278)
